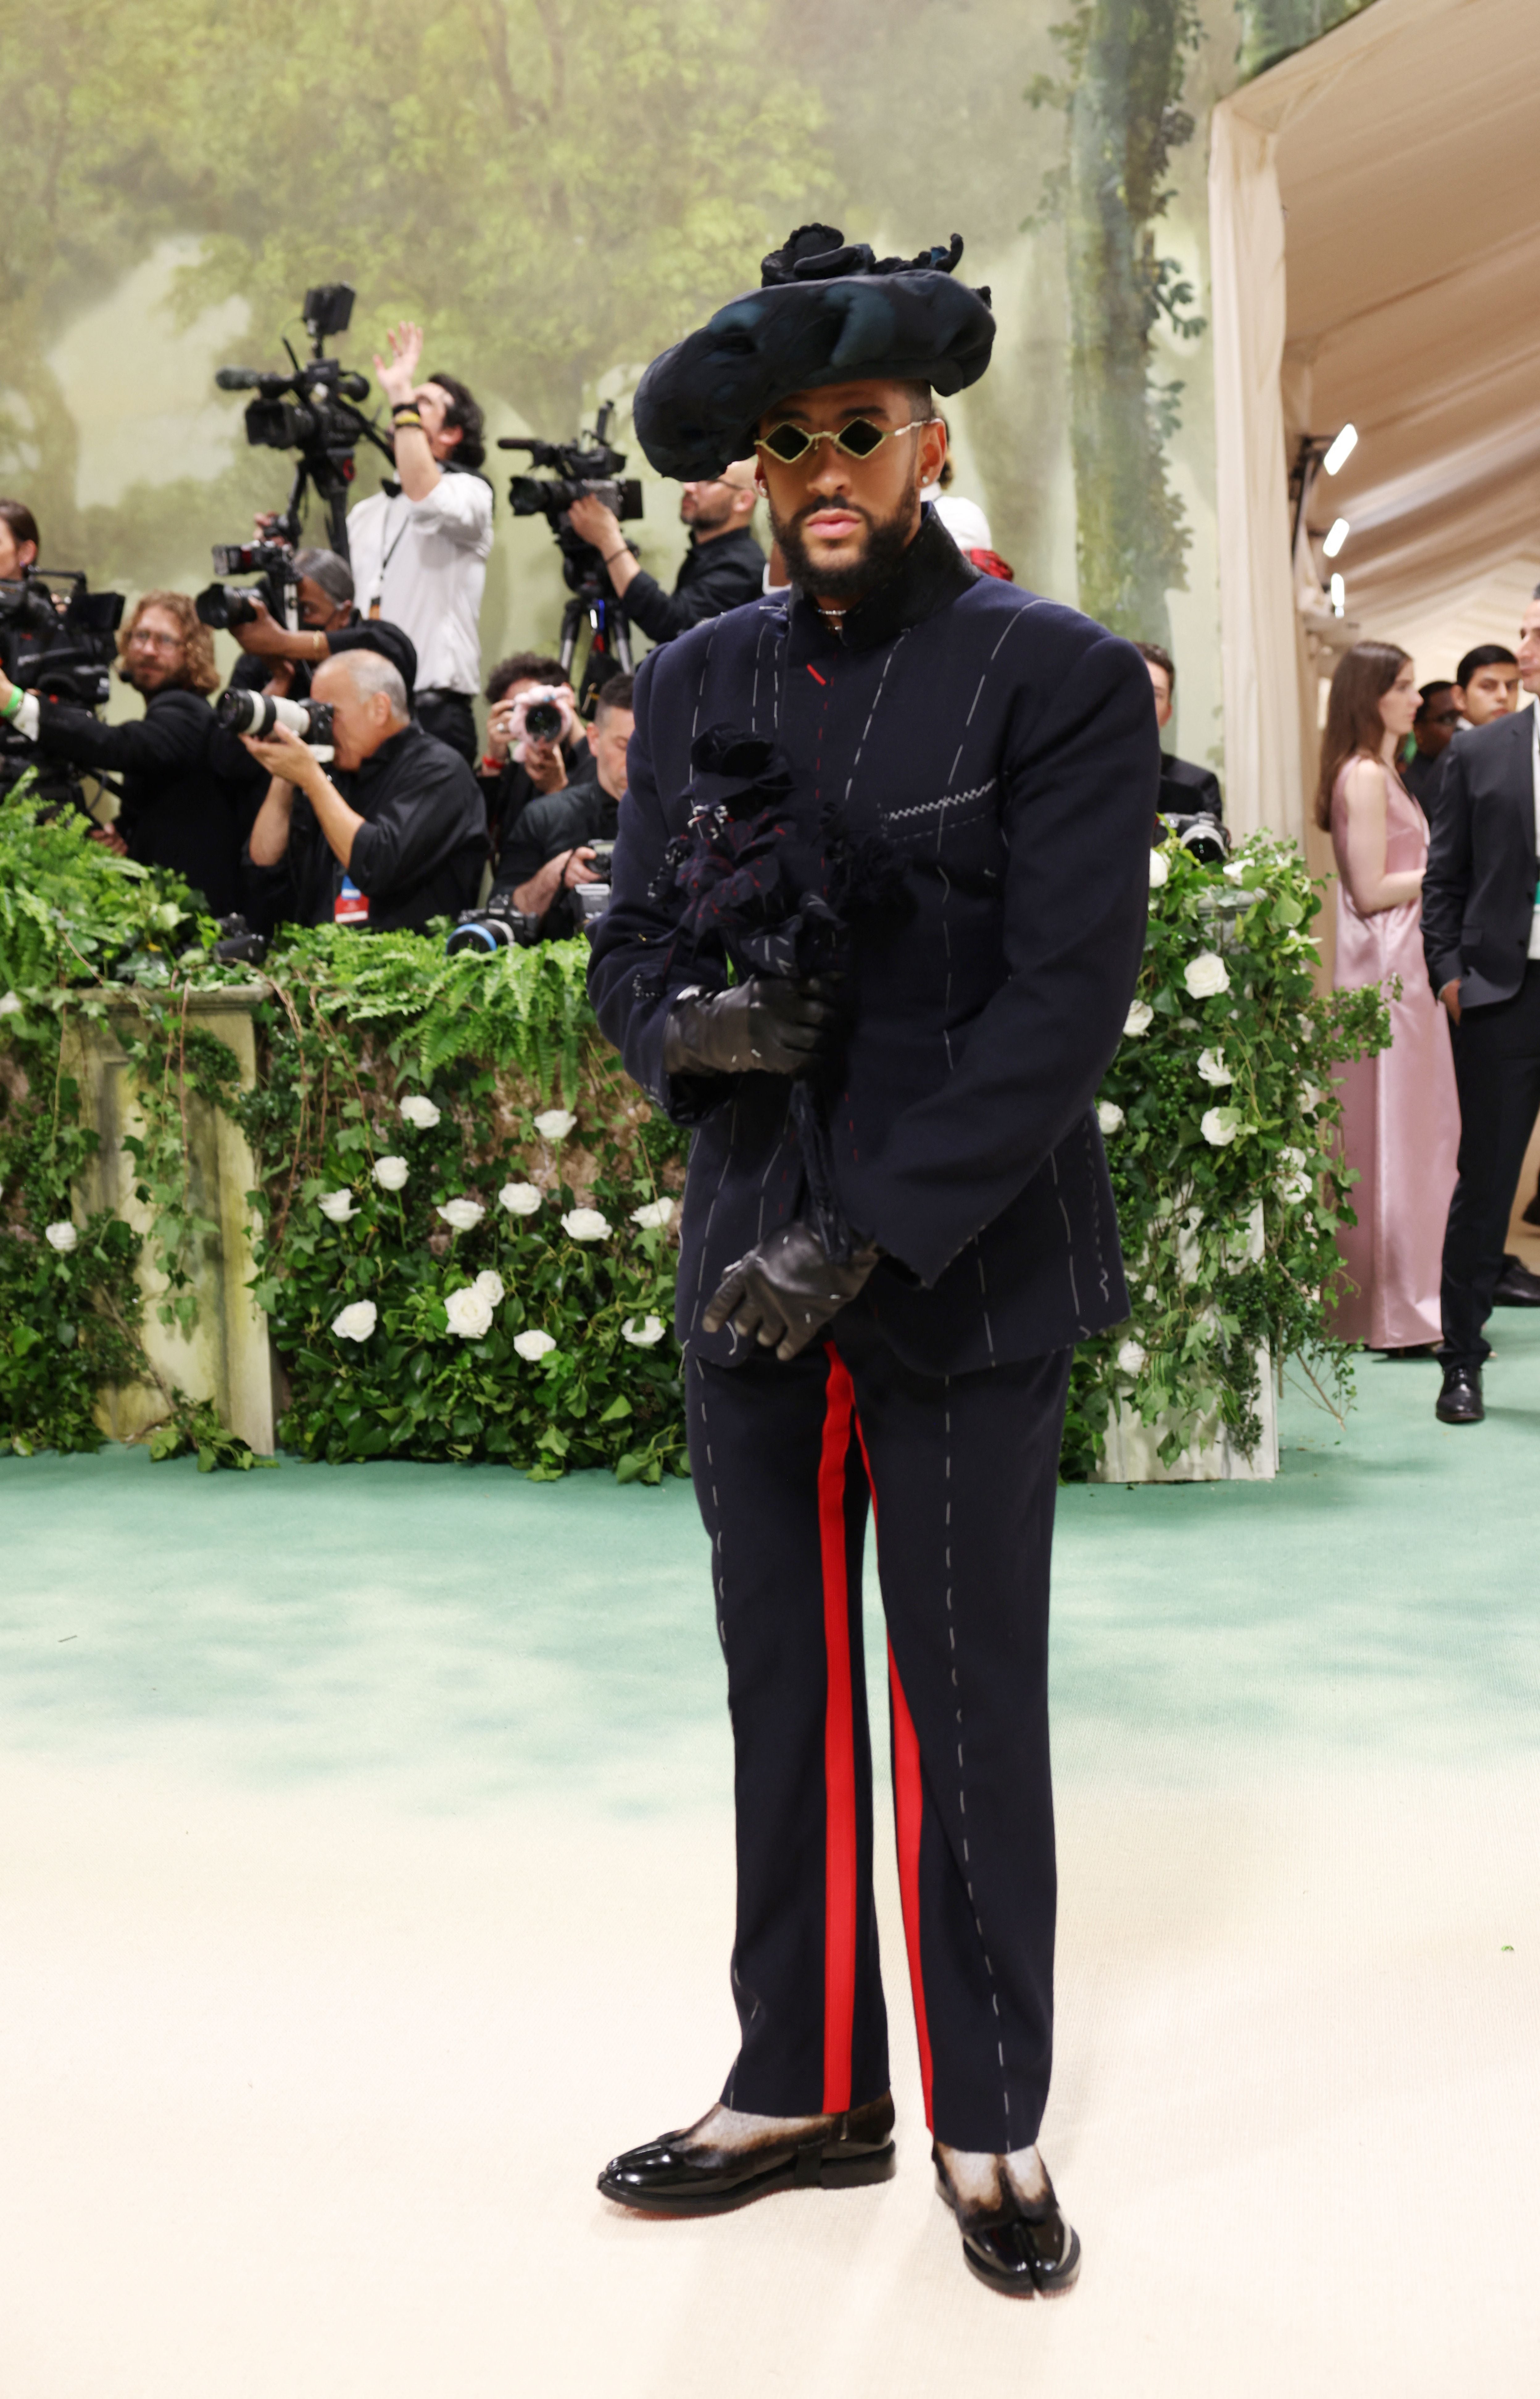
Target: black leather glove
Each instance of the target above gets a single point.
(787, 1289)
(767, 1026)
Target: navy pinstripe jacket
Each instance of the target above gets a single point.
(1008, 749)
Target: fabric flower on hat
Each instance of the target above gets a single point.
(642, 1335)
(555, 1124)
(1109, 1116)
(464, 1214)
(1207, 975)
(337, 1205)
(62, 1237)
(469, 1314)
(534, 1346)
(391, 1174)
(1220, 1127)
(1211, 1066)
(1139, 1020)
(654, 1215)
(356, 1322)
(421, 1112)
(519, 1198)
(584, 1225)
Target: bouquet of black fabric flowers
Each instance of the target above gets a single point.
(778, 890)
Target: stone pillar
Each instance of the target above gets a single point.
(228, 1358)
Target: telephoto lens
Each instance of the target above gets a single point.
(499, 927)
(258, 711)
(542, 720)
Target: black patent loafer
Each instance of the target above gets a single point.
(679, 2175)
(1460, 1401)
(1516, 1286)
(1028, 2252)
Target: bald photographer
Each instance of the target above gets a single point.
(387, 837)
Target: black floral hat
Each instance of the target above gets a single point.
(827, 311)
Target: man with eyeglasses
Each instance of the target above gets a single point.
(176, 809)
(880, 894)
(1432, 730)
(724, 566)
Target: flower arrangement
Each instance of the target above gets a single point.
(1219, 1114)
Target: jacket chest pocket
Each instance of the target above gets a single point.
(957, 834)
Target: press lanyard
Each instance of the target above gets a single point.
(379, 580)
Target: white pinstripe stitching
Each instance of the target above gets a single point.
(961, 1795)
(948, 800)
(876, 702)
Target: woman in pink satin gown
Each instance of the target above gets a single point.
(1400, 1112)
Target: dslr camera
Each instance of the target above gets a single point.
(258, 711)
(225, 607)
(1203, 837)
(61, 653)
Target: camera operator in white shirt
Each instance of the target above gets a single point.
(419, 555)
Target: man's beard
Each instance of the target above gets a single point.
(887, 540)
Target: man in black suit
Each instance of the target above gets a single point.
(909, 805)
(1482, 938)
(1185, 789)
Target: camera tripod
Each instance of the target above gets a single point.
(609, 626)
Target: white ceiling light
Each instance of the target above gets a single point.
(1339, 596)
(1342, 450)
(1336, 537)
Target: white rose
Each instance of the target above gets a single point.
(1132, 1357)
(1236, 870)
(11, 1005)
(519, 1198)
(1139, 1020)
(62, 1237)
(1206, 975)
(391, 1174)
(1310, 1099)
(642, 1335)
(584, 1225)
(555, 1124)
(534, 1346)
(464, 1214)
(337, 1205)
(1109, 1116)
(1211, 1066)
(421, 1112)
(1160, 869)
(655, 1215)
(1220, 1127)
(1150, 1293)
(1297, 1189)
(356, 1324)
(1293, 1157)
(489, 1282)
(469, 1314)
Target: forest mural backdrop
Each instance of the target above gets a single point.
(558, 187)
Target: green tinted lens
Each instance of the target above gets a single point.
(860, 438)
(787, 443)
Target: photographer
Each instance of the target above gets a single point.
(389, 839)
(420, 548)
(724, 568)
(279, 661)
(547, 853)
(517, 766)
(19, 539)
(177, 811)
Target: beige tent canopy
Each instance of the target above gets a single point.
(1375, 209)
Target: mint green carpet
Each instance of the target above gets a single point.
(465, 1633)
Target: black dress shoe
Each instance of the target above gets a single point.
(1028, 2252)
(1516, 1286)
(679, 2175)
(1460, 1401)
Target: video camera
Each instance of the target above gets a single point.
(314, 410)
(588, 467)
(60, 654)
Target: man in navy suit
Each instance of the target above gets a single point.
(1481, 940)
(908, 807)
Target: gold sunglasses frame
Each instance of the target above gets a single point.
(810, 440)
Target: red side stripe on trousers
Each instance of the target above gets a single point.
(908, 1808)
(839, 1750)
